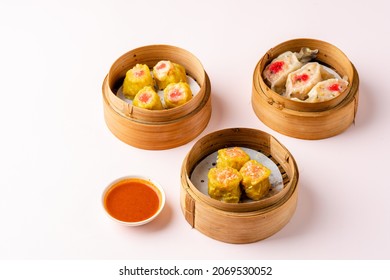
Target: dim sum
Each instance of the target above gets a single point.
(177, 94)
(147, 98)
(166, 72)
(255, 179)
(224, 184)
(136, 79)
(275, 74)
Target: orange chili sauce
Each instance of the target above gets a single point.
(132, 200)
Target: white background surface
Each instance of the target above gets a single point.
(57, 155)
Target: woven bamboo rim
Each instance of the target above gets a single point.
(156, 129)
(239, 222)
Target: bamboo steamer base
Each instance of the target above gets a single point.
(239, 222)
(309, 121)
(239, 228)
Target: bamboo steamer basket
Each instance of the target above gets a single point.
(239, 222)
(156, 129)
(302, 119)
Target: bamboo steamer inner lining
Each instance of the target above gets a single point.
(307, 120)
(228, 222)
(156, 129)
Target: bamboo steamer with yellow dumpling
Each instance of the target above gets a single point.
(233, 157)
(177, 94)
(222, 180)
(156, 129)
(247, 220)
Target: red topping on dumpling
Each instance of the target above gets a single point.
(145, 97)
(175, 94)
(276, 66)
(139, 73)
(334, 87)
(301, 78)
(161, 66)
(235, 152)
(253, 170)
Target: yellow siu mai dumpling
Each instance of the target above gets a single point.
(166, 72)
(177, 94)
(234, 157)
(224, 184)
(136, 79)
(255, 179)
(147, 98)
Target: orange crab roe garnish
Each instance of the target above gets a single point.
(161, 66)
(175, 94)
(145, 97)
